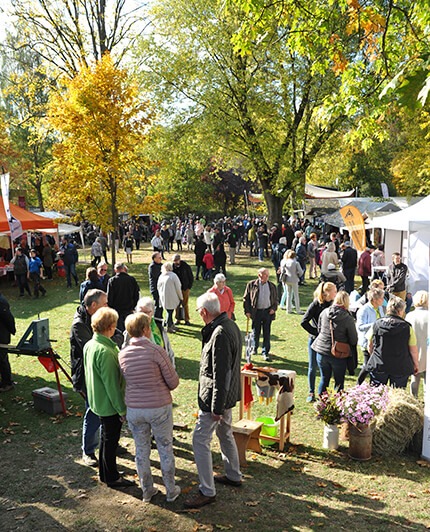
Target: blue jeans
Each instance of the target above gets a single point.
(71, 272)
(262, 320)
(202, 437)
(329, 365)
(349, 283)
(312, 367)
(381, 377)
(90, 431)
(160, 421)
(260, 254)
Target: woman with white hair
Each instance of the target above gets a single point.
(393, 347)
(418, 318)
(329, 256)
(224, 294)
(169, 290)
(159, 335)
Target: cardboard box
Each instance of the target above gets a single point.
(48, 400)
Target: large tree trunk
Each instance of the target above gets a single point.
(275, 206)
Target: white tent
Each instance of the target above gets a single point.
(408, 232)
(399, 221)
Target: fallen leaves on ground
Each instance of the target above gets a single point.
(252, 503)
(423, 463)
(375, 496)
(322, 484)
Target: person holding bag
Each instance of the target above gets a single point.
(336, 327)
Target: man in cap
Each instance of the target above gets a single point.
(349, 265)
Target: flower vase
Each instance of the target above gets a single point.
(331, 437)
(360, 441)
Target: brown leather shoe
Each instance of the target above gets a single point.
(223, 479)
(199, 500)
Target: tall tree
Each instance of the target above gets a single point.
(25, 87)
(98, 162)
(71, 33)
(275, 102)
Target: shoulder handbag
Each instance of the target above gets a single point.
(338, 349)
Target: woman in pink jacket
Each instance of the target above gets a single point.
(149, 377)
(224, 293)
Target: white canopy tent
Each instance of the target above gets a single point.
(63, 228)
(408, 232)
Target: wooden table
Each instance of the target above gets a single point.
(284, 422)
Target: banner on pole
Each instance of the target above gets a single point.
(354, 222)
(426, 432)
(14, 224)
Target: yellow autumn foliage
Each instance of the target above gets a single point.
(103, 126)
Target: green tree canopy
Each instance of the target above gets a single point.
(274, 103)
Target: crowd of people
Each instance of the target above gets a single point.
(123, 363)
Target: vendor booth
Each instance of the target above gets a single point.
(29, 220)
(408, 232)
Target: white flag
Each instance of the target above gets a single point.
(14, 224)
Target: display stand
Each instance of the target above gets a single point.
(36, 342)
(284, 422)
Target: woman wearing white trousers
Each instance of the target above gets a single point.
(291, 271)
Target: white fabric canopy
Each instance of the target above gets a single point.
(399, 221)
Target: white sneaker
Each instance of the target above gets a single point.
(174, 495)
(151, 492)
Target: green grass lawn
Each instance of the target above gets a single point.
(44, 485)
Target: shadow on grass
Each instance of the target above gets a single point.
(286, 497)
(187, 368)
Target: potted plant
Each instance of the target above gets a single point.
(328, 409)
(359, 406)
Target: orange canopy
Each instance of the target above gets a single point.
(29, 220)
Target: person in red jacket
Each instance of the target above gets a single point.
(224, 294)
(365, 268)
(209, 264)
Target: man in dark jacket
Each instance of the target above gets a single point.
(396, 277)
(199, 251)
(349, 265)
(365, 269)
(123, 293)
(80, 334)
(7, 327)
(219, 391)
(185, 273)
(302, 255)
(69, 254)
(260, 302)
(278, 251)
(154, 272)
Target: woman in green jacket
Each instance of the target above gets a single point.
(105, 392)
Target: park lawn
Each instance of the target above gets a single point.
(45, 486)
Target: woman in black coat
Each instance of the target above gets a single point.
(220, 260)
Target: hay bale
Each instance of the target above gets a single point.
(395, 428)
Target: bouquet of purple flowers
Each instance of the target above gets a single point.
(329, 407)
(361, 403)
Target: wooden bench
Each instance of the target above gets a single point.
(246, 433)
